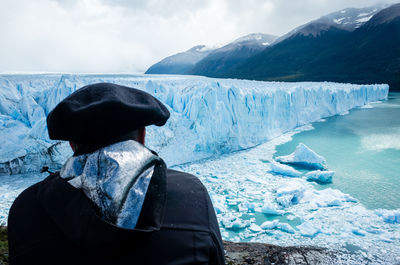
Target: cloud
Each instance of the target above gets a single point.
(129, 36)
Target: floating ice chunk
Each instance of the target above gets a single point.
(358, 232)
(389, 216)
(385, 237)
(284, 170)
(234, 222)
(285, 228)
(255, 228)
(326, 198)
(303, 155)
(344, 113)
(233, 202)
(373, 230)
(368, 106)
(270, 208)
(307, 229)
(247, 207)
(218, 202)
(269, 225)
(225, 234)
(320, 176)
(291, 217)
(290, 193)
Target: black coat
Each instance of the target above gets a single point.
(54, 223)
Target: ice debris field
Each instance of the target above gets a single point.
(257, 197)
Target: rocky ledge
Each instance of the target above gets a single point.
(265, 254)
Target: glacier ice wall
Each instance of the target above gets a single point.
(208, 116)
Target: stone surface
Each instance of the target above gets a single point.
(265, 254)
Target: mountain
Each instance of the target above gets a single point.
(180, 63)
(192, 61)
(223, 61)
(347, 19)
(229, 56)
(368, 54)
(355, 45)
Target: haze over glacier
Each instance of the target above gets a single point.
(208, 116)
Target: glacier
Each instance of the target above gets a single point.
(210, 116)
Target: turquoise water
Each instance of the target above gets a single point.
(363, 148)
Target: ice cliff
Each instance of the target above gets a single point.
(208, 116)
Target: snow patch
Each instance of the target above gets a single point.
(339, 20)
(364, 19)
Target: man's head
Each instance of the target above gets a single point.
(101, 114)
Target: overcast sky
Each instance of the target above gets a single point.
(130, 35)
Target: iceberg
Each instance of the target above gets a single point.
(326, 198)
(319, 176)
(285, 170)
(304, 156)
(211, 116)
(296, 192)
(275, 224)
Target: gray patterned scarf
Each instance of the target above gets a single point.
(115, 178)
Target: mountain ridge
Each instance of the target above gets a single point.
(365, 50)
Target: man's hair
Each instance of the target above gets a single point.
(88, 147)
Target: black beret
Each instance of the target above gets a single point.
(100, 112)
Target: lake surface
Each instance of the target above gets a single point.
(363, 148)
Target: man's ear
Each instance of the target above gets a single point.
(141, 135)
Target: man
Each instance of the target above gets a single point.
(114, 201)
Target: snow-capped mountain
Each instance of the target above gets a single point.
(347, 19)
(227, 57)
(254, 40)
(185, 62)
(181, 62)
(368, 54)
